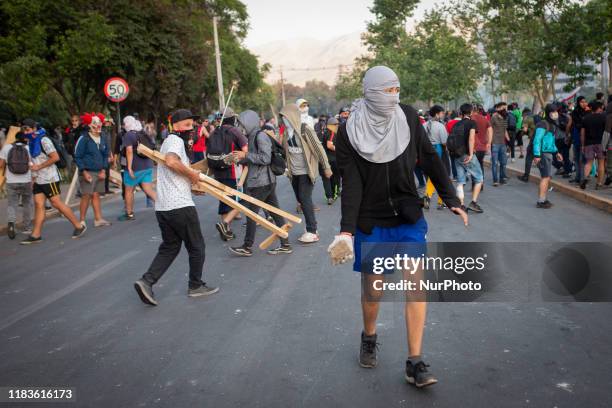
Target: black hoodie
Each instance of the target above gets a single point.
(385, 194)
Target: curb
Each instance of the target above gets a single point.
(587, 197)
(54, 213)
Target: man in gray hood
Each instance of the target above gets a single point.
(260, 181)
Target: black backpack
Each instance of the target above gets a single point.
(455, 144)
(18, 159)
(278, 164)
(62, 163)
(219, 145)
(143, 139)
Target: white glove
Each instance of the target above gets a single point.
(341, 249)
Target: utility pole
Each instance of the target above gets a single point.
(218, 61)
(282, 81)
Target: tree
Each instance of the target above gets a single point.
(531, 42)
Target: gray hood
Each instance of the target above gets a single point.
(250, 121)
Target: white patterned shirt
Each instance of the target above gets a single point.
(173, 190)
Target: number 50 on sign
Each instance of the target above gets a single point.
(116, 89)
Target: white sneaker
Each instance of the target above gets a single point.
(101, 223)
(513, 160)
(27, 231)
(308, 238)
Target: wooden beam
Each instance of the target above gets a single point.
(155, 155)
(221, 195)
(268, 241)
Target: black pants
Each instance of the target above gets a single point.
(267, 194)
(302, 187)
(564, 149)
(480, 156)
(107, 180)
(512, 142)
(528, 159)
(178, 226)
(332, 184)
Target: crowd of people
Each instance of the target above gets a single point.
(385, 159)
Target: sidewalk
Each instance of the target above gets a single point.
(601, 199)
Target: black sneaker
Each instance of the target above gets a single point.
(503, 181)
(523, 178)
(241, 250)
(367, 352)
(224, 231)
(583, 183)
(544, 204)
(330, 201)
(418, 375)
(566, 175)
(608, 181)
(145, 291)
(31, 240)
(495, 184)
(78, 232)
(475, 207)
(202, 291)
(283, 249)
(442, 206)
(426, 202)
(11, 230)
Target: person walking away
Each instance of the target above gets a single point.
(139, 168)
(498, 148)
(575, 126)
(304, 153)
(518, 114)
(484, 135)
(15, 160)
(436, 132)
(176, 214)
(512, 126)
(544, 148)
(564, 167)
(591, 136)
(108, 130)
(529, 128)
(46, 182)
(383, 137)
(219, 147)
(260, 182)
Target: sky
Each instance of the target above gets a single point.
(272, 20)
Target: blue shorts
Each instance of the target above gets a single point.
(472, 169)
(140, 176)
(391, 239)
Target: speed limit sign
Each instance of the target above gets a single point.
(116, 89)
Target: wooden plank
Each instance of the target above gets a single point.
(268, 241)
(72, 188)
(11, 134)
(201, 166)
(220, 195)
(243, 176)
(155, 155)
(115, 177)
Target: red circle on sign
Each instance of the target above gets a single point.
(116, 89)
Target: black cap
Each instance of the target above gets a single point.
(182, 114)
(31, 123)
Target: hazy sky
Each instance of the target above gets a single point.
(273, 20)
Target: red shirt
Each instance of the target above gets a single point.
(482, 124)
(450, 124)
(200, 144)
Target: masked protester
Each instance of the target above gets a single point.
(331, 185)
(91, 157)
(304, 154)
(376, 151)
(176, 213)
(304, 108)
(46, 181)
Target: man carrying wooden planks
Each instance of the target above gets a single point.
(176, 213)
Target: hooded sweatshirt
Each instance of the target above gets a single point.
(313, 151)
(260, 152)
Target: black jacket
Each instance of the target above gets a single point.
(385, 194)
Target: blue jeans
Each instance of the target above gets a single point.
(498, 154)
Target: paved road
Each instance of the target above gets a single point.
(284, 331)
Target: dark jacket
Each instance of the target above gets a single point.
(384, 194)
(88, 156)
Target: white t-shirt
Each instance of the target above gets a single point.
(10, 177)
(49, 174)
(173, 190)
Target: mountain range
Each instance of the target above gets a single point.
(304, 59)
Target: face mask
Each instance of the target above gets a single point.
(554, 115)
(381, 102)
(304, 110)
